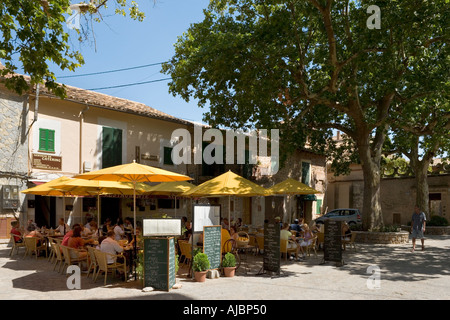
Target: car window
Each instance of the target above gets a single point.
(346, 212)
(332, 214)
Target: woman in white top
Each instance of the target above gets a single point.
(119, 230)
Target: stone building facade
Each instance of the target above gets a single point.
(13, 157)
(398, 195)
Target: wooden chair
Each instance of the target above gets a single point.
(260, 242)
(320, 239)
(68, 259)
(32, 246)
(312, 246)
(350, 242)
(93, 265)
(16, 245)
(105, 267)
(59, 259)
(186, 252)
(285, 250)
(52, 254)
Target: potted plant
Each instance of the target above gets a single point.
(200, 265)
(229, 264)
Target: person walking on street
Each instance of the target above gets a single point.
(418, 222)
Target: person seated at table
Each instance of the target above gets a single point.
(76, 242)
(225, 224)
(85, 232)
(88, 223)
(138, 237)
(238, 223)
(106, 226)
(95, 231)
(234, 235)
(68, 235)
(16, 230)
(346, 231)
(295, 227)
(128, 228)
(33, 233)
(119, 232)
(62, 227)
(285, 234)
(308, 236)
(111, 246)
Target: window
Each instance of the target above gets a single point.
(46, 140)
(168, 156)
(306, 173)
(10, 197)
(111, 147)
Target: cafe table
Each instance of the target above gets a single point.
(244, 256)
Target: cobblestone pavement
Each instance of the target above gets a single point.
(423, 275)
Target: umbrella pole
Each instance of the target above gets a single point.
(134, 222)
(229, 212)
(98, 210)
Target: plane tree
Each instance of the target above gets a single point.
(299, 65)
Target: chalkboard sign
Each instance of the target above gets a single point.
(271, 260)
(212, 245)
(205, 215)
(332, 245)
(159, 263)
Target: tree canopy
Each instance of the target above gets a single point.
(33, 34)
(314, 65)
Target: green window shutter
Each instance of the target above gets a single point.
(318, 205)
(46, 140)
(168, 156)
(111, 147)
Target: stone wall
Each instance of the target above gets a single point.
(382, 237)
(13, 145)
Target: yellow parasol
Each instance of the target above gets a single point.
(133, 173)
(228, 184)
(292, 187)
(48, 189)
(98, 187)
(173, 188)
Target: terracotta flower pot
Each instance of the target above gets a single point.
(200, 276)
(229, 271)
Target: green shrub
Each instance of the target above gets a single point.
(229, 260)
(200, 262)
(437, 221)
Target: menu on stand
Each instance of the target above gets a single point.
(332, 245)
(159, 263)
(212, 245)
(271, 260)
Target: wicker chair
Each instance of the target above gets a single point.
(16, 245)
(31, 245)
(103, 265)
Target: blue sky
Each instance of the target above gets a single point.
(122, 43)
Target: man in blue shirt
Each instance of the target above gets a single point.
(296, 227)
(418, 222)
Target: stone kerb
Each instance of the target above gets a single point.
(382, 237)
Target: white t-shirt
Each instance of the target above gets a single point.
(110, 246)
(60, 229)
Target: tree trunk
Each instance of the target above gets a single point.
(372, 217)
(422, 198)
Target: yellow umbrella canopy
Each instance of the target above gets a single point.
(171, 188)
(47, 189)
(98, 187)
(227, 184)
(134, 173)
(291, 186)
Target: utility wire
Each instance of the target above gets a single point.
(130, 84)
(111, 71)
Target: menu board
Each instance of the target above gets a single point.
(212, 245)
(159, 263)
(205, 215)
(271, 260)
(161, 227)
(332, 246)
